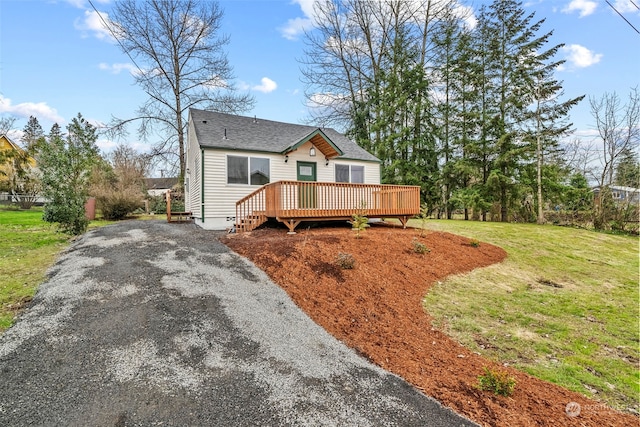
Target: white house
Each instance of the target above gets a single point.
(159, 186)
(621, 194)
(230, 157)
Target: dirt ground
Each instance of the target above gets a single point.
(376, 309)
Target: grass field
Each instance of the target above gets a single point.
(28, 247)
(563, 306)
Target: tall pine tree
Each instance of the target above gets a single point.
(517, 52)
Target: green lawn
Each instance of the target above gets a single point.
(563, 306)
(28, 247)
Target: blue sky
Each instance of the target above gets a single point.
(56, 60)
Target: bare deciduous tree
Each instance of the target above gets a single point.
(6, 124)
(182, 62)
(579, 156)
(618, 127)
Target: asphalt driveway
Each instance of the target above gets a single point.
(145, 323)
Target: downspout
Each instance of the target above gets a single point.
(202, 184)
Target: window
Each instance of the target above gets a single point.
(350, 173)
(342, 173)
(237, 170)
(247, 170)
(306, 171)
(259, 171)
(357, 174)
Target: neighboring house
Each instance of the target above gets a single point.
(7, 145)
(15, 189)
(159, 186)
(242, 170)
(620, 194)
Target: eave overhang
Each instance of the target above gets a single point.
(321, 141)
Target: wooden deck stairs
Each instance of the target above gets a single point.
(252, 221)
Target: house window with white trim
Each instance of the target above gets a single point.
(350, 173)
(247, 170)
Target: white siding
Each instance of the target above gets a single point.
(220, 198)
(193, 177)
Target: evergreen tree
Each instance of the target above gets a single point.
(480, 146)
(66, 162)
(466, 84)
(406, 146)
(549, 118)
(33, 135)
(628, 170)
(447, 107)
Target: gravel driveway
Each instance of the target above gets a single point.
(145, 323)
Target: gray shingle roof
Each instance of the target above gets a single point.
(256, 134)
(160, 183)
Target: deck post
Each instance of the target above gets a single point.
(167, 196)
(291, 224)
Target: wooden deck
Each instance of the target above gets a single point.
(292, 202)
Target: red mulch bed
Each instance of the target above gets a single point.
(376, 309)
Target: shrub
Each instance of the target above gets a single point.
(474, 243)
(117, 204)
(69, 213)
(420, 248)
(65, 162)
(118, 185)
(345, 261)
(496, 381)
(359, 220)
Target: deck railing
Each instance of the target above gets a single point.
(294, 201)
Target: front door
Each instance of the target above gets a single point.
(307, 196)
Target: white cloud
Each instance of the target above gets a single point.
(328, 99)
(467, 15)
(296, 26)
(306, 6)
(84, 4)
(92, 23)
(585, 7)
(117, 68)
(39, 110)
(580, 56)
(108, 145)
(624, 6)
(80, 4)
(266, 86)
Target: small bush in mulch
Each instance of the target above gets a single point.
(496, 381)
(419, 247)
(345, 261)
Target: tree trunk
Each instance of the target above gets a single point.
(541, 219)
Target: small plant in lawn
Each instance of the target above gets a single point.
(419, 247)
(345, 261)
(474, 243)
(499, 382)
